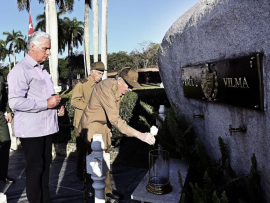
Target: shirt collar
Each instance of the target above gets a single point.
(33, 62)
(92, 81)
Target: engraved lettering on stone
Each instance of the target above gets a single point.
(245, 84)
(235, 82)
(190, 82)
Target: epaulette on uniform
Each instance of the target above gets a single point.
(83, 80)
(114, 89)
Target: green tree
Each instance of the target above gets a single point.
(51, 27)
(77, 64)
(63, 70)
(117, 61)
(3, 50)
(4, 70)
(145, 55)
(15, 42)
(41, 22)
(154, 54)
(74, 37)
(74, 33)
(41, 25)
(136, 59)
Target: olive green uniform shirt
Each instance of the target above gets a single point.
(102, 111)
(80, 97)
(4, 132)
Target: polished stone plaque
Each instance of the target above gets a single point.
(235, 81)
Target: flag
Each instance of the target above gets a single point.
(30, 26)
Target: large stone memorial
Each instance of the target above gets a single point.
(215, 64)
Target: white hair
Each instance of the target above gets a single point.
(35, 38)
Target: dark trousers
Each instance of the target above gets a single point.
(5, 143)
(82, 150)
(38, 156)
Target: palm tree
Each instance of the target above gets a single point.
(15, 41)
(24, 4)
(86, 35)
(41, 25)
(61, 33)
(51, 28)
(74, 33)
(74, 36)
(41, 22)
(104, 46)
(25, 39)
(95, 29)
(3, 50)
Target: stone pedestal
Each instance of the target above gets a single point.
(98, 163)
(141, 194)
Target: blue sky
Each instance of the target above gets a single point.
(129, 21)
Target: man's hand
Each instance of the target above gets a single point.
(146, 137)
(53, 101)
(9, 117)
(61, 111)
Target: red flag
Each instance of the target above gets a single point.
(30, 26)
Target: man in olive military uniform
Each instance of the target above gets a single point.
(102, 111)
(80, 97)
(5, 141)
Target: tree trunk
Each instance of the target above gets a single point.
(70, 55)
(14, 54)
(51, 28)
(14, 58)
(104, 46)
(47, 15)
(84, 60)
(95, 29)
(87, 39)
(9, 65)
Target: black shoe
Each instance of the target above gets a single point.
(112, 201)
(7, 180)
(114, 195)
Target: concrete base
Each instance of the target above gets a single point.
(141, 194)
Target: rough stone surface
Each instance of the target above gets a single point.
(215, 30)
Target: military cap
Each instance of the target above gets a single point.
(130, 76)
(98, 66)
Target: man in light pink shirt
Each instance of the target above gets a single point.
(35, 121)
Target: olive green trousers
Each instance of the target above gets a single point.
(5, 143)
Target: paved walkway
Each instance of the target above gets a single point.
(64, 184)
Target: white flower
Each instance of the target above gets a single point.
(153, 130)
